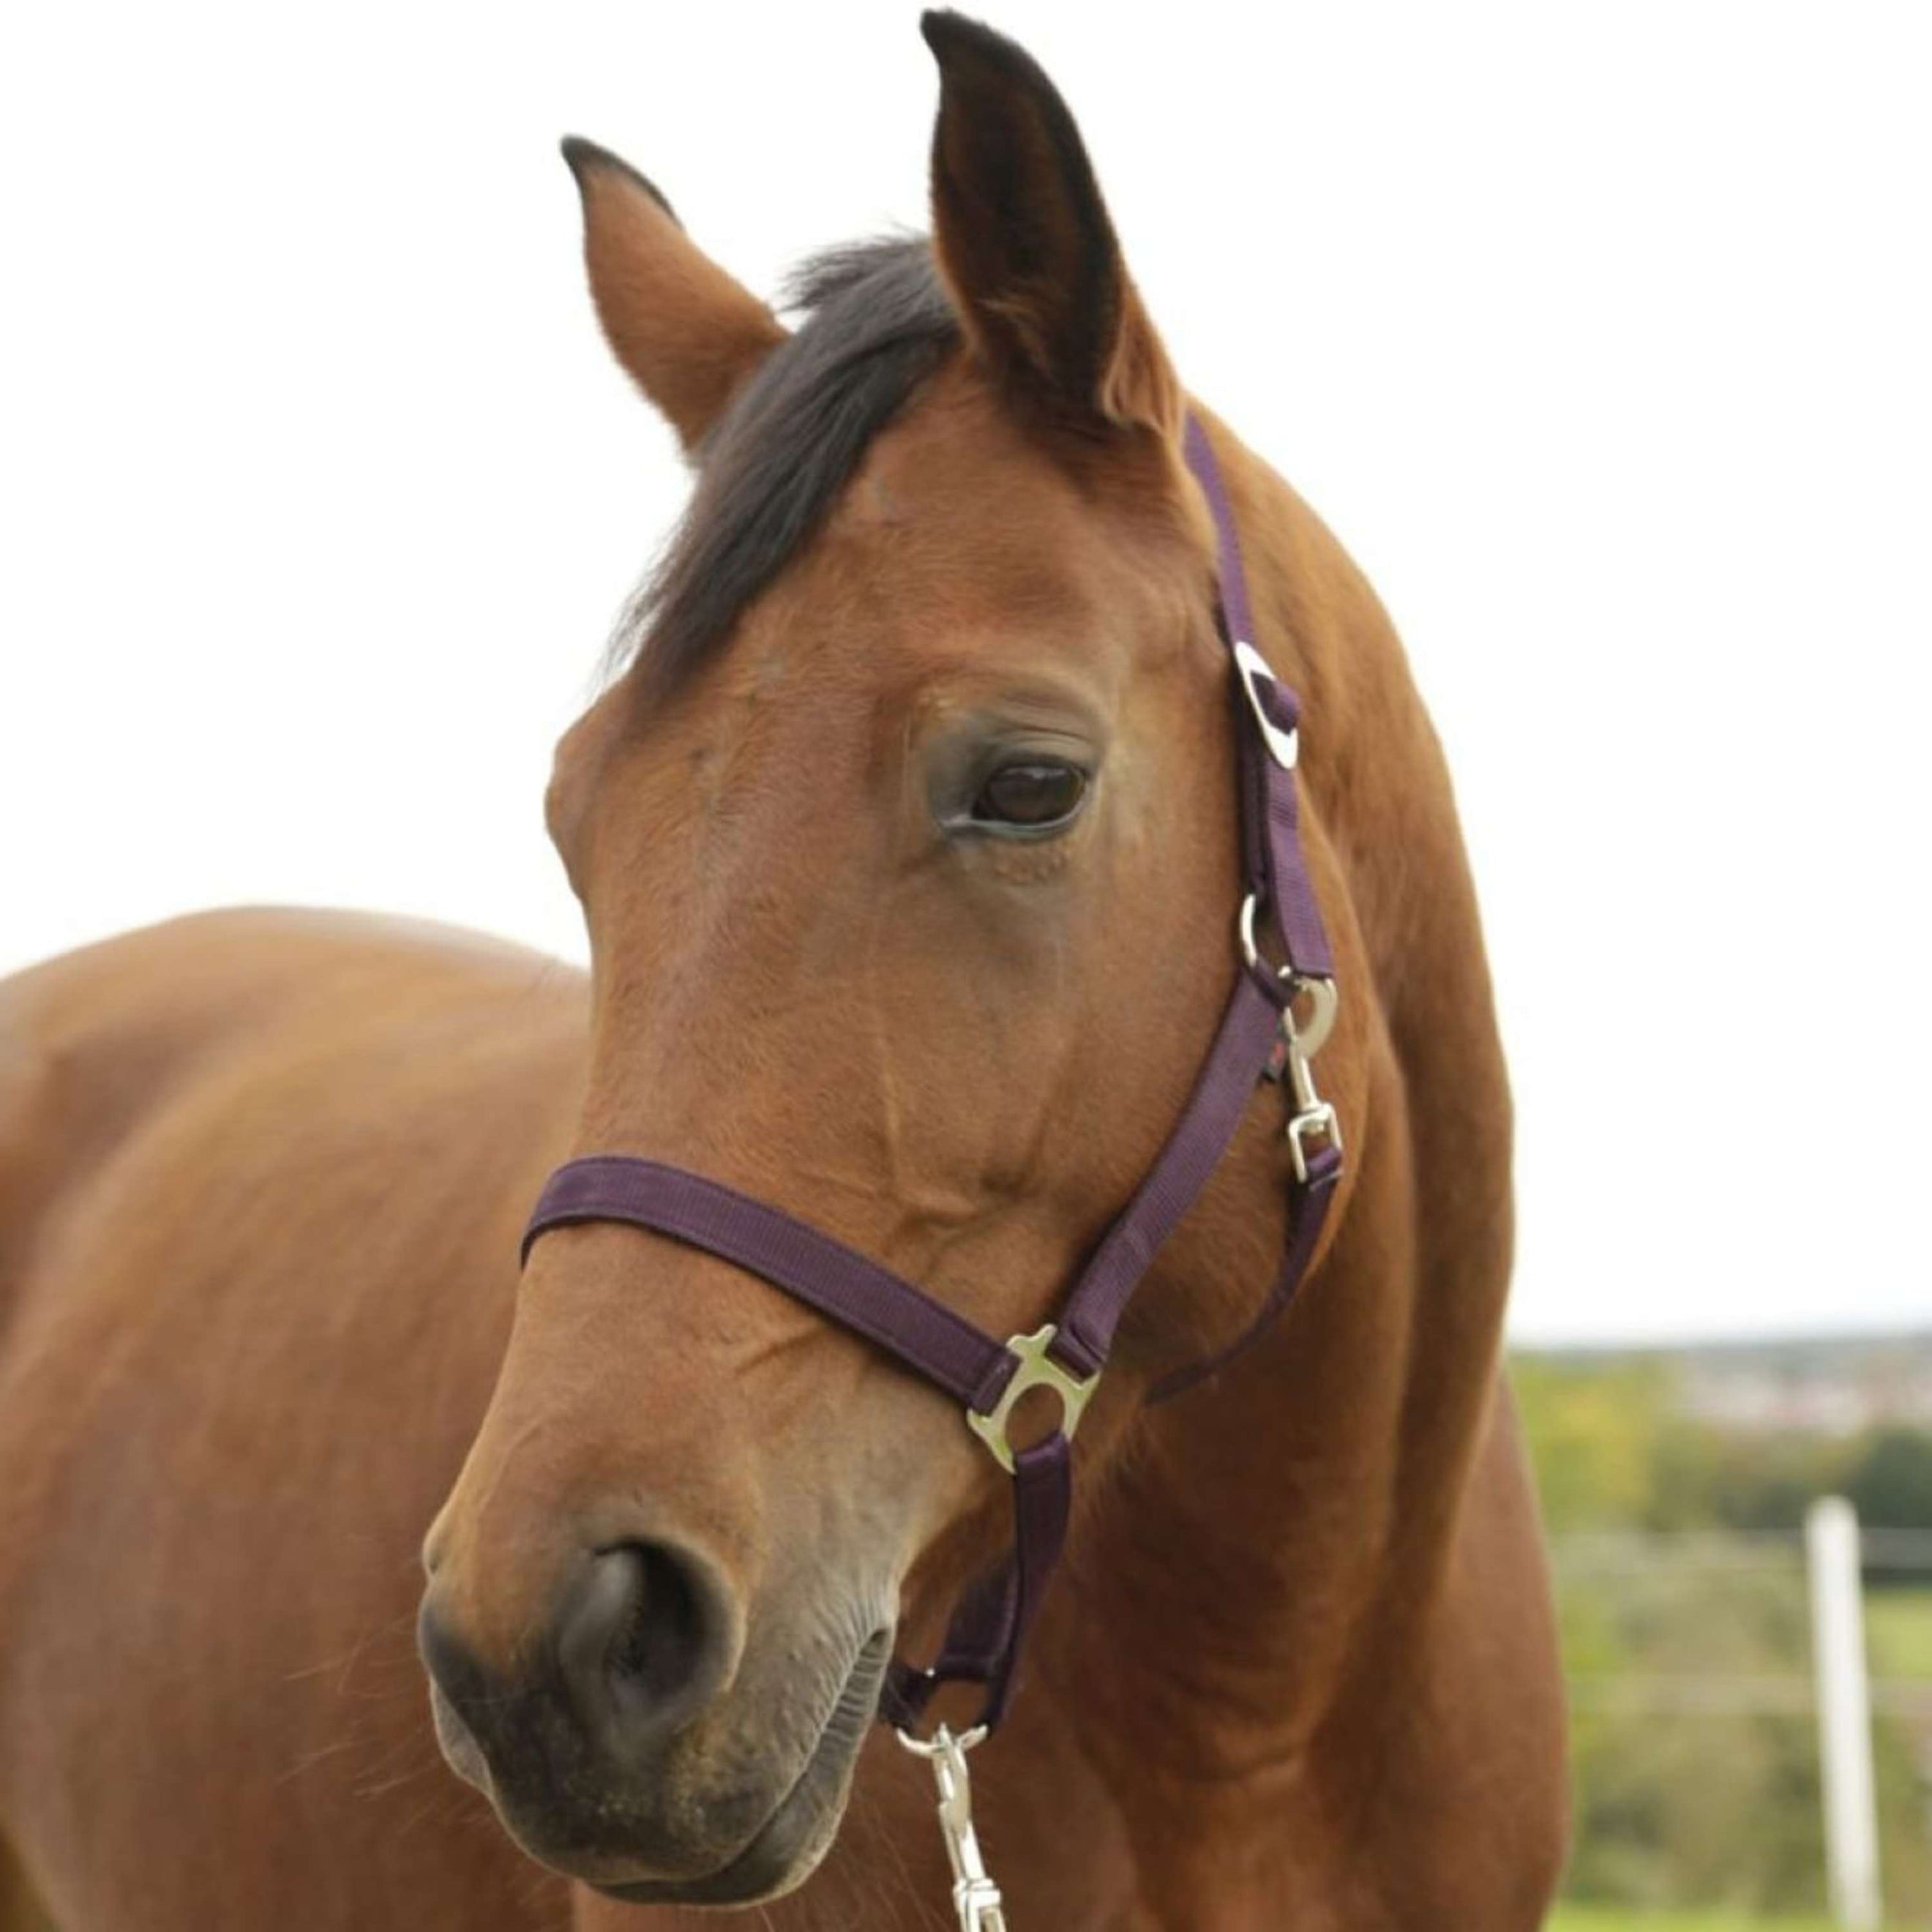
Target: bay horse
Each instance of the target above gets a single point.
(906, 840)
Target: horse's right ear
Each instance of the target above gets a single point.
(687, 334)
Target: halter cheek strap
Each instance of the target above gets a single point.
(1275, 1019)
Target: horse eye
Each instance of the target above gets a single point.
(1034, 795)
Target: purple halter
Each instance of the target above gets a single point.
(1262, 1036)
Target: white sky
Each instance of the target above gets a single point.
(1600, 334)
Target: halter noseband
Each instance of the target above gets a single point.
(1260, 1037)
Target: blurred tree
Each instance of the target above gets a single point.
(1592, 1434)
(1889, 1479)
(1705, 1477)
(1614, 1449)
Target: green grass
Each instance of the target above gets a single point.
(1898, 1632)
(1612, 1918)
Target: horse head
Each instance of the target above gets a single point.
(907, 842)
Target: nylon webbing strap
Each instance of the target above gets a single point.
(903, 1320)
(1277, 873)
(1218, 1106)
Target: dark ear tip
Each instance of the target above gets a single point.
(586, 159)
(583, 157)
(949, 34)
(973, 56)
(935, 25)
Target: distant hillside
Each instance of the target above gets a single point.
(1830, 1385)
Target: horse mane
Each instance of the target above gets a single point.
(876, 323)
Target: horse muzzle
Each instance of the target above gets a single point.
(621, 1748)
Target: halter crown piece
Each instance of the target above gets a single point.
(1275, 1019)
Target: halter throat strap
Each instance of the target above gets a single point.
(1260, 1037)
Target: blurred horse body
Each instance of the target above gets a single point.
(262, 1176)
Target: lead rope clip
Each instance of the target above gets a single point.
(976, 1898)
(1314, 1120)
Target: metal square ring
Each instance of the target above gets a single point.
(1037, 1370)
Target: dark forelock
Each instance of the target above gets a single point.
(876, 323)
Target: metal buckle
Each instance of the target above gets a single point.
(1037, 1370)
(1284, 747)
(1311, 1033)
(1314, 1119)
(1318, 1123)
(976, 1898)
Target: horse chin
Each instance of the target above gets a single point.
(781, 1857)
(780, 1854)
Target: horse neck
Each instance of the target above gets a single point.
(1273, 1544)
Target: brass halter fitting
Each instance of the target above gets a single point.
(1037, 1370)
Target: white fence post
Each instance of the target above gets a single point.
(1844, 1714)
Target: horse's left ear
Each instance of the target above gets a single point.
(1025, 245)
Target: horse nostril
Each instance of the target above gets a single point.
(640, 1643)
